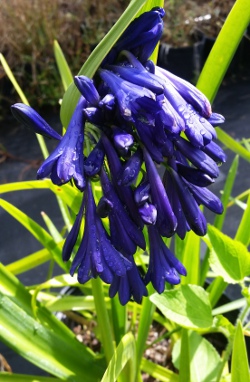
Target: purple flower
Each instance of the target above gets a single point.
(66, 161)
(96, 256)
(87, 88)
(163, 265)
(166, 221)
(31, 119)
(131, 169)
(94, 162)
(131, 285)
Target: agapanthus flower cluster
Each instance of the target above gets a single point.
(145, 119)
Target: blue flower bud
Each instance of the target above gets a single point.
(148, 213)
(94, 162)
(87, 88)
(131, 169)
(31, 119)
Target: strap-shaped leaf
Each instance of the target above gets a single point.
(124, 353)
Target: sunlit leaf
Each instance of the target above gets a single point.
(240, 367)
(228, 258)
(186, 305)
(204, 359)
(125, 352)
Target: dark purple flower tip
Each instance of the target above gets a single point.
(130, 286)
(142, 192)
(31, 119)
(163, 265)
(193, 214)
(140, 77)
(215, 152)
(66, 161)
(96, 256)
(123, 141)
(170, 119)
(150, 66)
(128, 231)
(94, 115)
(188, 91)
(87, 88)
(104, 207)
(131, 169)
(193, 175)
(94, 162)
(125, 193)
(207, 198)
(140, 37)
(73, 234)
(148, 213)
(127, 94)
(166, 220)
(197, 157)
(216, 119)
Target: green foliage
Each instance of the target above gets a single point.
(184, 313)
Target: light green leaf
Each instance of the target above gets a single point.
(228, 258)
(219, 59)
(184, 375)
(191, 250)
(158, 372)
(243, 233)
(240, 368)
(64, 70)
(224, 48)
(124, 353)
(205, 361)
(94, 60)
(43, 347)
(29, 262)
(219, 219)
(186, 305)
(7, 377)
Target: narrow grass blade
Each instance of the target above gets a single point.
(184, 375)
(158, 372)
(29, 262)
(242, 233)
(64, 70)
(7, 377)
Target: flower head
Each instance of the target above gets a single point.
(134, 121)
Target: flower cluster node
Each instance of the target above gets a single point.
(152, 150)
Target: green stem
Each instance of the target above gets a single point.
(103, 319)
(147, 312)
(225, 358)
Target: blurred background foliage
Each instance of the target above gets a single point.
(28, 29)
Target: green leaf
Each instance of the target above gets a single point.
(46, 342)
(242, 233)
(224, 48)
(205, 361)
(219, 59)
(7, 377)
(219, 219)
(29, 262)
(63, 67)
(191, 250)
(95, 59)
(158, 372)
(41, 346)
(228, 258)
(37, 231)
(124, 353)
(184, 375)
(186, 305)
(240, 368)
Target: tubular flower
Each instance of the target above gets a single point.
(133, 120)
